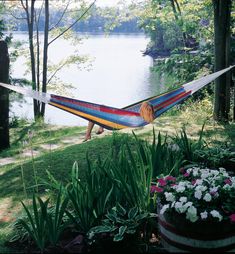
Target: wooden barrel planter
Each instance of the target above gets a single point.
(180, 235)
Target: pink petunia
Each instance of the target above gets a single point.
(186, 174)
(170, 178)
(162, 182)
(228, 181)
(232, 217)
(155, 189)
(193, 181)
(214, 193)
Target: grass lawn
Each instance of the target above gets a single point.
(55, 149)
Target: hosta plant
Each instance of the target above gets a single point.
(120, 222)
(199, 194)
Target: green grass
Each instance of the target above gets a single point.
(42, 134)
(60, 161)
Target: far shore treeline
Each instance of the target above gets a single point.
(99, 20)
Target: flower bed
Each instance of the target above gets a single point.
(197, 210)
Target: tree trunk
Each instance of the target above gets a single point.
(45, 55)
(4, 97)
(222, 11)
(30, 22)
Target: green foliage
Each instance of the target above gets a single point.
(37, 226)
(215, 156)
(19, 233)
(89, 197)
(160, 155)
(177, 24)
(60, 160)
(55, 219)
(120, 222)
(188, 66)
(131, 177)
(44, 224)
(187, 146)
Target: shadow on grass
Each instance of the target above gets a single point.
(59, 163)
(222, 136)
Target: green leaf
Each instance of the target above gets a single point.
(122, 230)
(133, 212)
(111, 217)
(141, 216)
(121, 210)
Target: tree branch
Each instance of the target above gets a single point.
(13, 15)
(53, 75)
(84, 13)
(61, 17)
(22, 3)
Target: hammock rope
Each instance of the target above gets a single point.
(115, 118)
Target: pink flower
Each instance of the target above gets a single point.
(232, 217)
(214, 193)
(193, 181)
(228, 181)
(170, 178)
(162, 182)
(155, 189)
(186, 174)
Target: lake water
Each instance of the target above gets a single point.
(119, 75)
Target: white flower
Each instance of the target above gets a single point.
(213, 189)
(178, 205)
(214, 172)
(183, 199)
(164, 208)
(189, 170)
(192, 214)
(204, 215)
(169, 196)
(180, 189)
(182, 209)
(195, 172)
(221, 170)
(207, 197)
(216, 214)
(198, 182)
(198, 194)
(188, 204)
(204, 175)
(201, 188)
(225, 174)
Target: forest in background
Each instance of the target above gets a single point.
(99, 20)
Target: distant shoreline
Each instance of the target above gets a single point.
(88, 33)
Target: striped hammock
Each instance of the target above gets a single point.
(113, 118)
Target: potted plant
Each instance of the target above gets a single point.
(196, 210)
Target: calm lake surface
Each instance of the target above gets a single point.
(119, 74)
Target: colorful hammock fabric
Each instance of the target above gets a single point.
(114, 118)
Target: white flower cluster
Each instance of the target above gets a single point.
(198, 189)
